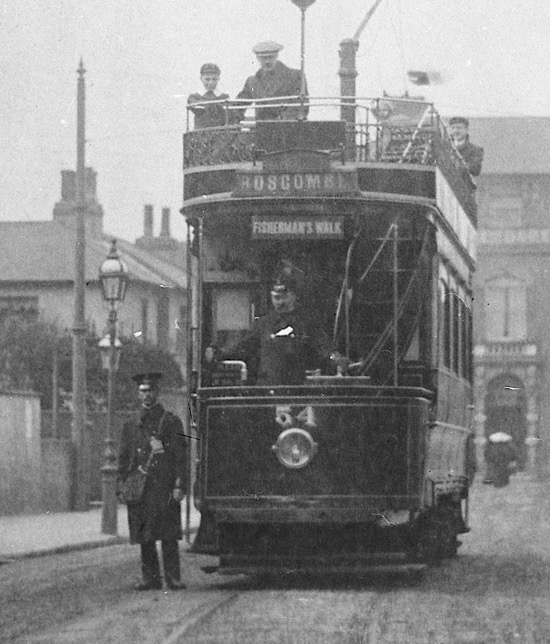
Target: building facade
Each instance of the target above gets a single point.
(512, 287)
(37, 268)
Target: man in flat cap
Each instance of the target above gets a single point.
(209, 115)
(472, 154)
(274, 79)
(153, 443)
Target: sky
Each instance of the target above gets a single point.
(143, 57)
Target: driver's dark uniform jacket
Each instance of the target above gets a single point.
(281, 347)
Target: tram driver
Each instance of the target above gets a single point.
(285, 343)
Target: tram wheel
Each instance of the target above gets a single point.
(427, 546)
(436, 537)
(448, 528)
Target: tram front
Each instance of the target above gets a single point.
(311, 415)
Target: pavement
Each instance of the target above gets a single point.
(33, 535)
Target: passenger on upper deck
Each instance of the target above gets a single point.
(209, 115)
(472, 154)
(274, 79)
(286, 342)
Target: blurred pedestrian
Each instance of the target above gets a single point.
(500, 455)
(209, 115)
(153, 445)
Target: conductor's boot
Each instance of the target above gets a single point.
(150, 568)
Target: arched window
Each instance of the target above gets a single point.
(505, 309)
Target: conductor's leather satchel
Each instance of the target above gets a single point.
(132, 487)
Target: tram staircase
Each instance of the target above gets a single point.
(373, 323)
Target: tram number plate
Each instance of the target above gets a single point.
(287, 417)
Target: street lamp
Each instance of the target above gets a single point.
(113, 275)
(303, 5)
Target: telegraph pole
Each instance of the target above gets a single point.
(80, 444)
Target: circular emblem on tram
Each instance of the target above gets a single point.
(295, 448)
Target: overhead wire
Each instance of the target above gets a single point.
(399, 39)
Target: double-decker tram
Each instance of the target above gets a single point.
(338, 469)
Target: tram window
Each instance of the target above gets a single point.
(455, 312)
(463, 323)
(468, 345)
(231, 309)
(446, 327)
(413, 352)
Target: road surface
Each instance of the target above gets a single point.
(496, 590)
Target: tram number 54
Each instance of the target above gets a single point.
(286, 418)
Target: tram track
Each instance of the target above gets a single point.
(200, 617)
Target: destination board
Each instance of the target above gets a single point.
(320, 227)
(295, 183)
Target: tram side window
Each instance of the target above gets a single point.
(445, 329)
(463, 366)
(455, 332)
(456, 356)
(467, 346)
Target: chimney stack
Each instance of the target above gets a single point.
(165, 223)
(148, 221)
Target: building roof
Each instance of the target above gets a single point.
(43, 251)
(513, 145)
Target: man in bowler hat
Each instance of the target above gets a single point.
(154, 441)
(209, 115)
(272, 80)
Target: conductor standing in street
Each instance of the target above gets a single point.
(154, 443)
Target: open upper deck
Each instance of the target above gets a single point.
(396, 150)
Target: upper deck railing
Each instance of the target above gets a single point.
(382, 130)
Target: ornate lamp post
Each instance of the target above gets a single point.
(113, 275)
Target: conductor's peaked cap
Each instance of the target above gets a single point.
(149, 378)
(266, 48)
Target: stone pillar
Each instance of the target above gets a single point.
(532, 439)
